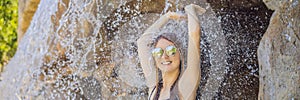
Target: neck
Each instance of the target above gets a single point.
(169, 78)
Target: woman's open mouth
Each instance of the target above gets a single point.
(166, 63)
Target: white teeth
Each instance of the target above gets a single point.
(166, 63)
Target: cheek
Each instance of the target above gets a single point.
(156, 62)
(177, 57)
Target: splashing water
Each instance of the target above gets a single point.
(87, 49)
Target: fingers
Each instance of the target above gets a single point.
(199, 9)
(192, 8)
(176, 16)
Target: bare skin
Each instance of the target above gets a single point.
(188, 84)
(189, 81)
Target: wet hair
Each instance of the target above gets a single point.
(161, 37)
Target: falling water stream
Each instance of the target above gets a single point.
(87, 49)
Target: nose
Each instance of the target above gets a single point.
(165, 56)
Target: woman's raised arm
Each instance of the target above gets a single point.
(144, 50)
(189, 81)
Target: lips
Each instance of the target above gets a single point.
(166, 62)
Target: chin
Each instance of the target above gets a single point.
(167, 68)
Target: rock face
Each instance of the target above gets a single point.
(279, 53)
(244, 23)
(26, 11)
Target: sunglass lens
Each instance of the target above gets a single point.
(157, 52)
(171, 50)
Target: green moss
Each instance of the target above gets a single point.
(8, 30)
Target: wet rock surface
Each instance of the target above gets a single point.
(279, 53)
(26, 11)
(244, 23)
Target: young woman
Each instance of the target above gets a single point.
(168, 78)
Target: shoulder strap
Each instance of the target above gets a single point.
(151, 93)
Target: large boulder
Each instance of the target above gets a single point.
(26, 11)
(279, 53)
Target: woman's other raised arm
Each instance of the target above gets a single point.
(189, 81)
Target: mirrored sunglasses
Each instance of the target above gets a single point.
(158, 52)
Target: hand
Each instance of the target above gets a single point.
(192, 8)
(175, 16)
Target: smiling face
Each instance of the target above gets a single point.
(167, 63)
